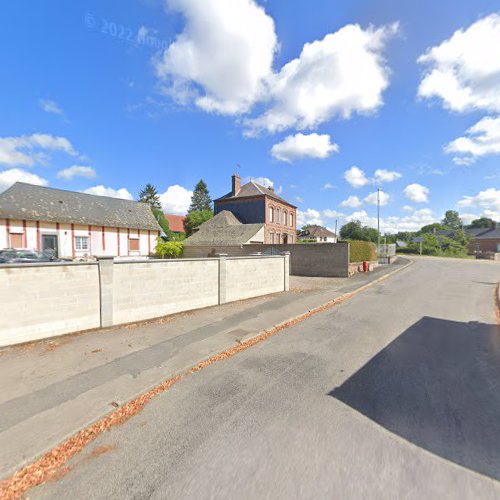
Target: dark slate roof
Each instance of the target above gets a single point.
(317, 231)
(490, 234)
(224, 229)
(29, 202)
(473, 232)
(253, 189)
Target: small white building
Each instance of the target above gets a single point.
(318, 233)
(69, 224)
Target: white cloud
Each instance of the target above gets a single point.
(351, 202)
(9, 177)
(222, 58)
(342, 74)
(332, 214)
(304, 146)
(381, 175)
(329, 185)
(356, 177)
(310, 216)
(488, 201)
(464, 71)
(417, 193)
(481, 139)
(26, 150)
(372, 198)
(407, 208)
(108, 191)
(393, 224)
(76, 171)
(176, 200)
(51, 107)
(468, 218)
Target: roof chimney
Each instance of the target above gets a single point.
(236, 184)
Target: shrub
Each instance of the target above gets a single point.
(168, 249)
(362, 250)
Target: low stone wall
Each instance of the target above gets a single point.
(357, 267)
(320, 259)
(45, 300)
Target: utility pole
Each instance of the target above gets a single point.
(378, 220)
(336, 236)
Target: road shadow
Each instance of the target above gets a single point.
(438, 386)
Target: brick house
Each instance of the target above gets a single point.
(485, 241)
(253, 203)
(69, 224)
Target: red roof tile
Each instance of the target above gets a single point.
(176, 222)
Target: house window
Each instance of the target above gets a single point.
(285, 217)
(271, 214)
(290, 239)
(272, 237)
(16, 240)
(82, 243)
(133, 244)
(291, 219)
(278, 215)
(278, 238)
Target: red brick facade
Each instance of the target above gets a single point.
(281, 222)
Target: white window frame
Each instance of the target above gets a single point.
(271, 214)
(285, 217)
(79, 247)
(278, 216)
(291, 219)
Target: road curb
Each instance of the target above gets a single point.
(329, 304)
(46, 467)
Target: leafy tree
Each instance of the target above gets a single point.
(452, 219)
(431, 228)
(485, 222)
(160, 218)
(150, 196)
(195, 219)
(200, 201)
(354, 230)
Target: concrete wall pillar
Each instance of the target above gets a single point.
(286, 260)
(222, 277)
(106, 267)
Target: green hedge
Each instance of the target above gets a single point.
(168, 249)
(362, 250)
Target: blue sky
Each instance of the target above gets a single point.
(327, 100)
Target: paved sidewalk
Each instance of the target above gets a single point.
(51, 389)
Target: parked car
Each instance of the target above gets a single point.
(12, 256)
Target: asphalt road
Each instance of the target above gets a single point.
(392, 394)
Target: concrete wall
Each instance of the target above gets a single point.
(45, 300)
(145, 290)
(104, 241)
(251, 277)
(327, 259)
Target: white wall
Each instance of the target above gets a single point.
(144, 290)
(44, 301)
(253, 276)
